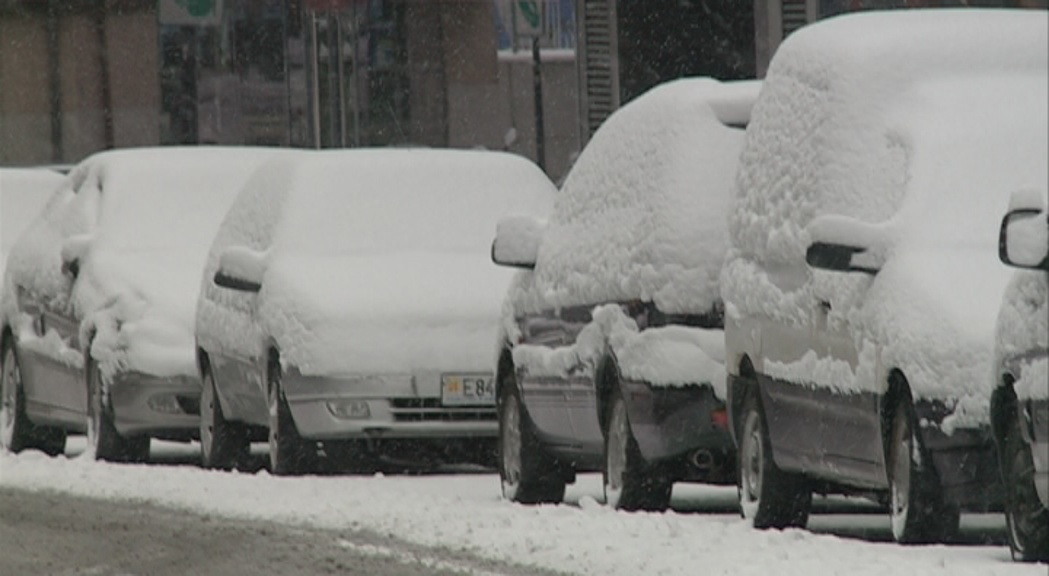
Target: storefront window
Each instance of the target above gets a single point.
(223, 80)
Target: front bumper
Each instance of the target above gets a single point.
(687, 423)
(965, 460)
(398, 406)
(161, 407)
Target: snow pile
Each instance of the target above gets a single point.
(465, 512)
(641, 215)
(23, 194)
(375, 260)
(916, 125)
(664, 356)
(141, 222)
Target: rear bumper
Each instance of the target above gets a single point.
(965, 461)
(162, 407)
(392, 406)
(682, 424)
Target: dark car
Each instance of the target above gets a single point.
(612, 351)
(862, 287)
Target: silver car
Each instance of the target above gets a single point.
(98, 301)
(348, 305)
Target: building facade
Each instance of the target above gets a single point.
(77, 76)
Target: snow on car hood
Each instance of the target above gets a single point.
(381, 313)
(928, 313)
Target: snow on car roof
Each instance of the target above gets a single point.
(858, 91)
(642, 213)
(921, 123)
(389, 200)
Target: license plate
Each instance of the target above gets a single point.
(467, 390)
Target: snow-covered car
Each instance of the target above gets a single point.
(862, 285)
(99, 296)
(23, 194)
(1020, 403)
(349, 305)
(612, 344)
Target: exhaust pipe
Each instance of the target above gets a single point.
(703, 460)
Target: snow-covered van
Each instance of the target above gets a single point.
(1020, 404)
(611, 356)
(862, 284)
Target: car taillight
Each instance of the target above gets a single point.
(719, 418)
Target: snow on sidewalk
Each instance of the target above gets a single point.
(465, 512)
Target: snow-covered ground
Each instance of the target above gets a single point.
(464, 512)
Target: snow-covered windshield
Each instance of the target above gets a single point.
(381, 202)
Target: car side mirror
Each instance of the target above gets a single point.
(73, 251)
(516, 242)
(845, 244)
(1023, 239)
(836, 257)
(241, 269)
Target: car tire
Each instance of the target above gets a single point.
(290, 454)
(917, 510)
(528, 474)
(630, 483)
(223, 444)
(768, 496)
(17, 432)
(1027, 519)
(103, 439)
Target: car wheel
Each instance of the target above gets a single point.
(17, 433)
(630, 483)
(768, 496)
(223, 444)
(289, 453)
(917, 510)
(103, 440)
(528, 474)
(1027, 519)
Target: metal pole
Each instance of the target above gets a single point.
(313, 72)
(537, 77)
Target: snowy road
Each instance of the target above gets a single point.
(462, 516)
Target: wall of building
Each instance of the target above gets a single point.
(25, 110)
(112, 88)
(40, 75)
